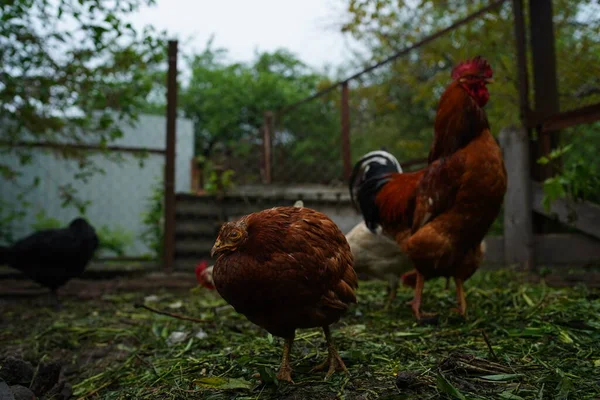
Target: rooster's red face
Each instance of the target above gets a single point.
(473, 75)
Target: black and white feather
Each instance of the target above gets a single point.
(369, 175)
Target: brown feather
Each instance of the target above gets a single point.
(292, 269)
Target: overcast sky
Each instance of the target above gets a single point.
(306, 27)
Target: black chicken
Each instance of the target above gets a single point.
(51, 257)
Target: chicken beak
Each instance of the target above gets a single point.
(489, 80)
(215, 248)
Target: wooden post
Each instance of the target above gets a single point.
(345, 116)
(521, 48)
(545, 90)
(518, 231)
(268, 128)
(169, 229)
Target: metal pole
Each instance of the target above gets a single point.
(267, 135)
(345, 113)
(169, 229)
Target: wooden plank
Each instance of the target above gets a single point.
(189, 263)
(518, 230)
(551, 249)
(196, 227)
(197, 207)
(273, 192)
(566, 249)
(581, 215)
(194, 246)
(583, 115)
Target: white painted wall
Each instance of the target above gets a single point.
(119, 196)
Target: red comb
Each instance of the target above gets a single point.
(475, 66)
(202, 265)
(201, 275)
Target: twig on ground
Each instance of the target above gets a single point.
(168, 314)
(489, 345)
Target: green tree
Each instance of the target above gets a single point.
(398, 102)
(71, 68)
(227, 101)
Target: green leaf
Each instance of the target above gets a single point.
(407, 334)
(564, 337)
(528, 300)
(267, 375)
(215, 382)
(446, 387)
(508, 395)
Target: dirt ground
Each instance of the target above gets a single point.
(522, 341)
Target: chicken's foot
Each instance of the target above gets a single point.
(460, 298)
(285, 370)
(334, 362)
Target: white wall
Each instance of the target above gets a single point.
(119, 196)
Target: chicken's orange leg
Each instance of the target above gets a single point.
(334, 362)
(285, 370)
(416, 301)
(460, 297)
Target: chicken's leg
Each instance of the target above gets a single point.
(460, 298)
(416, 301)
(334, 362)
(392, 292)
(285, 370)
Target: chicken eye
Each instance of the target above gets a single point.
(235, 235)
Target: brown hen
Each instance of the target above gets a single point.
(287, 268)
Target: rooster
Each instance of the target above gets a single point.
(448, 206)
(287, 268)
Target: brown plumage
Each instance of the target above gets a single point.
(449, 205)
(286, 268)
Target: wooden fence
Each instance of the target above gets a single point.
(198, 218)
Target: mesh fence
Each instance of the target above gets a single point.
(394, 107)
(577, 47)
(306, 147)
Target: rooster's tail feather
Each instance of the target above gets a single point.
(370, 173)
